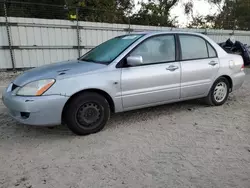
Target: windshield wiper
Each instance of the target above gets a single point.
(88, 60)
(92, 61)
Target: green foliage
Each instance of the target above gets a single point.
(88, 10)
(233, 14)
(198, 22)
(114, 11)
(154, 13)
(50, 9)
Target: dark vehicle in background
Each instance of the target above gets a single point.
(237, 48)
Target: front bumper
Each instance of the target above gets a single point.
(40, 111)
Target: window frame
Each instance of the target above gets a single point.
(206, 42)
(123, 63)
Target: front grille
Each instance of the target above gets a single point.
(14, 86)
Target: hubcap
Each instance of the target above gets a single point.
(88, 114)
(220, 92)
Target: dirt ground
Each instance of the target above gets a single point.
(178, 145)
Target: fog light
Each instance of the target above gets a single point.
(25, 115)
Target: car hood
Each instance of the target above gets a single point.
(58, 70)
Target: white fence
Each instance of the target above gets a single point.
(35, 42)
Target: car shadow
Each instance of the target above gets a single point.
(152, 113)
(10, 127)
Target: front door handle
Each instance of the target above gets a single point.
(172, 68)
(213, 63)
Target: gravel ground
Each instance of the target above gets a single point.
(178, 145)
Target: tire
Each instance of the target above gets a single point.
(87, 113)
(213, 99)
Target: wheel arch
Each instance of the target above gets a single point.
(229, 79)
(99, 91)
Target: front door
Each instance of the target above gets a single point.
(157, 80)
(199, 66)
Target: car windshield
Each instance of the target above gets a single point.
(109, 50)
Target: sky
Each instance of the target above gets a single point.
(201, 7)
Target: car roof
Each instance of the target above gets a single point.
(219, 50)
(165, 32)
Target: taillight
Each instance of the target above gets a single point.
(242, 68)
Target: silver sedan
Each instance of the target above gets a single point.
(124, 73)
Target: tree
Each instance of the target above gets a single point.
(155, 12)
(232, 14)
(88, 10)
(51, 9)
(235, 14)
(114, 11)
(198, 22)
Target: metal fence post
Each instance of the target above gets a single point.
(78, 32)
(129, 30)
(129, 25)
(8, 35)
(205, 30)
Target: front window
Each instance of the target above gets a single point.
(157, 49)
(109, 50)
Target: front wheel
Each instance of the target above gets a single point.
(87, 113)
(219, 92)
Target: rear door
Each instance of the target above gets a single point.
(199, 64)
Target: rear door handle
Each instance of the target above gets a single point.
(172, 68)
(213, 63)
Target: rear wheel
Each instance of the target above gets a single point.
(87, 113)
(219, 92)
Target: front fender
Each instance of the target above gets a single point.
(108, 81)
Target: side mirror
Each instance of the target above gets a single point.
(134, 60)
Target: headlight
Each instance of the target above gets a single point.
(35, 88)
